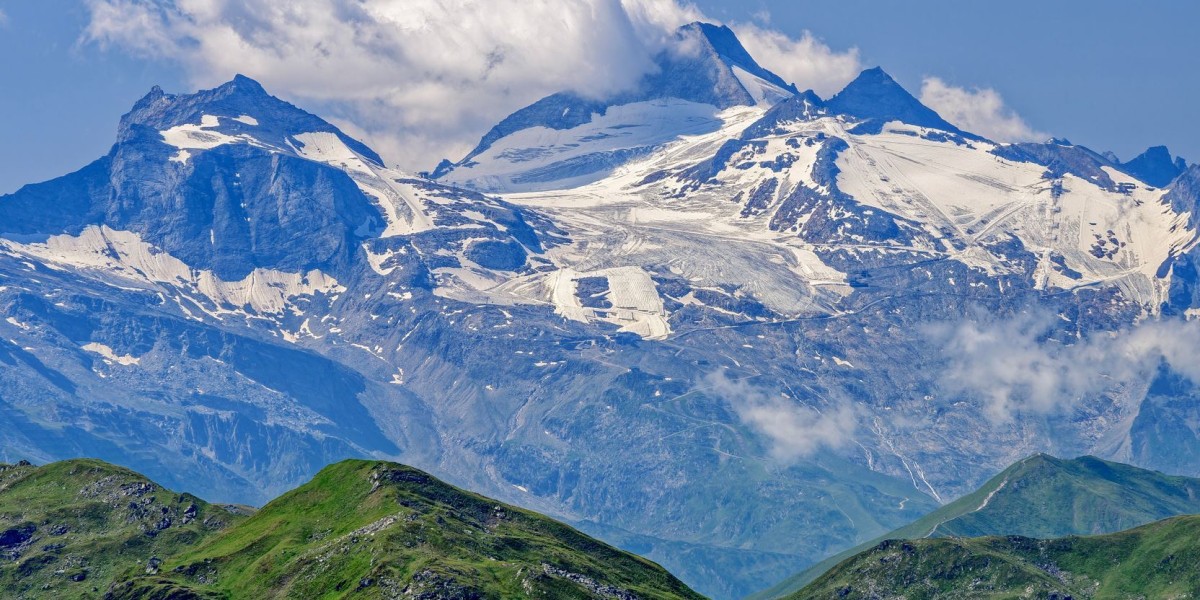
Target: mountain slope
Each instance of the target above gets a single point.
(72, 528)
(1152, 561)
(1040, 497)
(375, 529)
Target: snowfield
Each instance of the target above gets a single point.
(122, 257)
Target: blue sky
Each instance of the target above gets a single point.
(60, 103)
(1107, 74)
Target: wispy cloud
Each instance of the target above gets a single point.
(807, 61)
(424, 79)
(978, 110)
(1018, 366)
(794, 429)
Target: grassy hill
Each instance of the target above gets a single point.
(1041, 497)
(1152, 561)
(362, 529)
(70, 529)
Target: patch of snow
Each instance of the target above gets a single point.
(376, 260)
(188, 137)
(636, 304)
(107, 253)
(967, 193)
(764, 92)
(109, 355)
(622, 128)
(401, 204)
(326, 147)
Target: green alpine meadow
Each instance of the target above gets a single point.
(1040, 497)
(1045, 528)
(71, 528)
(361, 529)
(1158, 561)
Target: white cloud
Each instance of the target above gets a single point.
(794, 429)
(807, 62)
(417, 76)
(3, 18)
(418, 79)
(978, 110)
(1016, 367)
(658, 19)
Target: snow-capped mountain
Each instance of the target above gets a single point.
(815, 204)
(694, 322)
(703, 79)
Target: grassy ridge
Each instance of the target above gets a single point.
(1040, 497)
(361, 529)
(70, 529)
(379, 529)
(1153, 561)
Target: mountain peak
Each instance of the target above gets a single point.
(876, 96)
(704, 71)
(878, 74)
(876, 81)
(722, 39)
(243, 80)
(238, 106)
(724, 43)
(709, 65)
(1155, 166)
(241, 84)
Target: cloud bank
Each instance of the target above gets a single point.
(794, 430)
(978, 110)
(424, 79)
(1015, 367)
